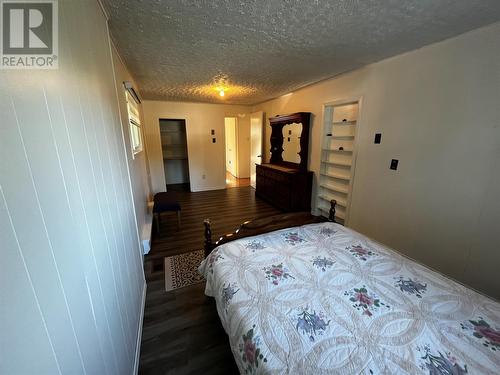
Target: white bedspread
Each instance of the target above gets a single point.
(323, 299)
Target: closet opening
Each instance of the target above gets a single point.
(175, 154)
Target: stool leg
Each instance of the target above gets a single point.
(179, 219)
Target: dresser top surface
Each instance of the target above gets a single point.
(280, 168)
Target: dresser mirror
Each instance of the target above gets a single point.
(285, 181)
(290, 140)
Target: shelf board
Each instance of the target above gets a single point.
(344, 137)
(339, 163)
(337, 123)
(176, 158)
(337, 176)
(336, 189)
(333, 150)
(327, 211)
(340, 202)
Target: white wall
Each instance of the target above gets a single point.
(205, 158)
(71, 272)
(137, 163)
(438, 111)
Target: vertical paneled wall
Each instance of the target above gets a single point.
(70, 270)
(137, 163)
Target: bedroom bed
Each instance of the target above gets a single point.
(300, 296)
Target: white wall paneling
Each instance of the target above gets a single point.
(137, 164)
(70, 250)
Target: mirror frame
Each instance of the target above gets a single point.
(277, 124)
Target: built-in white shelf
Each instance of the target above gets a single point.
(336, 150)
(343, 137)
(335, 177)
(340, 202)
(339, 163)
(326, 212)
(333, 188)
(337, 123)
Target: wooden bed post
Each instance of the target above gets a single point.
(331, 217)
(208, 237)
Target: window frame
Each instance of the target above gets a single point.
(134, 124)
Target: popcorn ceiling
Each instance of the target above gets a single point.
(179, 49)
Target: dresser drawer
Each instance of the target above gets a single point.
(285, 189)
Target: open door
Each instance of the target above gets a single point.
(256, 131)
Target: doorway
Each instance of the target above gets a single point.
(175, 154)
(234, 177)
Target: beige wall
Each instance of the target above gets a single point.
(137, 163)
(206, 159)
(71, 276)
(438, 111)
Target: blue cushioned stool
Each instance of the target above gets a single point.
(164, 202)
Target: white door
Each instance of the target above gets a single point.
(256, 131)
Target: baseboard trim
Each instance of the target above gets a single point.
(139, 331)
(208, 188)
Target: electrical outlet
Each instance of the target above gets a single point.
(213, 140)
(394, 164)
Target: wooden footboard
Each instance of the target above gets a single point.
(265, 225)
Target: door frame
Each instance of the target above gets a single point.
(236, 150)
(175, 118)
(262, 142)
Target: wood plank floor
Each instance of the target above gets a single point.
(182, 333)
(232, 181)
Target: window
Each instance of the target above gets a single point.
(134, 124)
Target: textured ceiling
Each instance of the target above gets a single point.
(180, 50)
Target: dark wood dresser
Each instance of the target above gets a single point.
(289, 189)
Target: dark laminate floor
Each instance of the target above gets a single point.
(182, 333)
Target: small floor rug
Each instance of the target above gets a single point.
(182, 270)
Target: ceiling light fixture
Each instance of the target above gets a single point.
(221, 92)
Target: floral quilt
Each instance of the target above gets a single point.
(323, 299)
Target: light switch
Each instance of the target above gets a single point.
(394, 164)
(378, 138)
